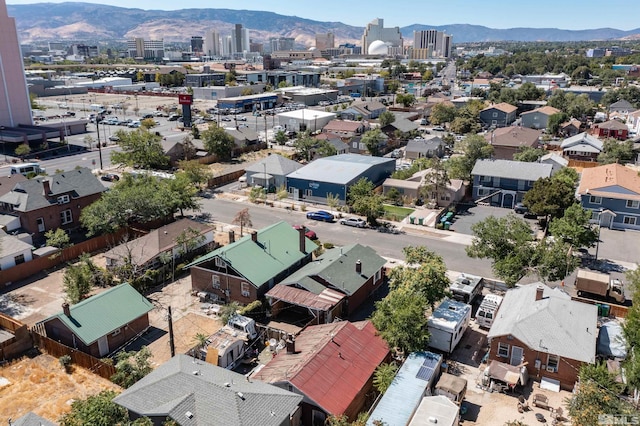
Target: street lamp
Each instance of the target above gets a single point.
(599, 227)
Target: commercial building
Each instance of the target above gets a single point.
(375, 31)
(325, 41)
(239, 39)
(437, 43)
(281, 43)
(145, 49)
(212, 45)
(197, 44)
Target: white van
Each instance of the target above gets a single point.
(487, 310)
(26, 168)
(244, 325)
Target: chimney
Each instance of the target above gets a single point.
(254, 236)
(359, 267)
(46, 187)
(232, 237)
(539, 292)
(302, 239)
(66, 310)
(291, 345)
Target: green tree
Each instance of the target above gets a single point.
(132, 366)
(406, 99)
(281, 137)
(591, 401)
(394, 196)
(140, 148)
(76, 283)
(528, 154)
(386, 118)
(435, 180)
(464, 125)
(201, 341)
(553, 260)
(325, 149)
(57, 238)
(22, 150)
(384, 375)
(551, 196)
(148, 123)
(554, 122)
(333, 200)
(426, 275)
(574, 227)
(371, 206)
(442, 113)
(304, 146)
(196, 172)
(372, 140)
(473, 148)
(96, 410)
(218, 142)
(614, 151)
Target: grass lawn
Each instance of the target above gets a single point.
(396, 213)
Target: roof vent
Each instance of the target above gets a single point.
(189, 414)
(196, 372)
(227, 384)
(240, 395)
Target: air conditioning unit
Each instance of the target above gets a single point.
(551, 369)
(246, 293)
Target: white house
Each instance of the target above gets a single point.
(13, 251)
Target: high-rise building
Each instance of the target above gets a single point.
(375, 31)
(146, 49)
(239, 39)
(438, 44)
(227, 42)
(196, 44)
(281, 43)
(256, 47)
(325, 41)
(212, 46)
(15, 106)
(84, 50)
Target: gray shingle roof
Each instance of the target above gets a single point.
(508, 169)
(10, 245)
(554, 324)
(582, 142)
(424, 145)
(276, 165)
(210, 393)
(31, 419)
(340, 169)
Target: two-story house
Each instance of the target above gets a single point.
(570, 128)
(498, 115)
(582, 147)
(543, 329)
(503, 183)
(538, 118)
(368, 110)
(429, 147)
(51, 202)
(508, 141)
(612, 193)
(345, 128)
(612, 129)
(244, 270)
(621, 107)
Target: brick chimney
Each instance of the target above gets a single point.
(539, 292)
(254, 236)
(291, 345)
(302, 240)
(359, 267)
(66, 310)
(46, 187)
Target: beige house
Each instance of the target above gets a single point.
(411, 188)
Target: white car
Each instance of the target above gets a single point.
(353, 221)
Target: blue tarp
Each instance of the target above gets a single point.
(611, 341)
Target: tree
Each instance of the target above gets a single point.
(58, 238)
(304, 146)
(218, 142)
(442, 113)
(96, 410)
(553, 195)
(528, 154)
(427, 274)
(406, 99)
(474, 148)
(394, 196)
(554, 122)
(242, 218)
(364, 201)
(386, 118)
(384, 375)
(574, 227)
(333, 200)
(464, 125)
(22, 150)
(76, 283)
(132, 366)
(148, 123)
(201, 341)
(372, 140)
(553, 260)
(281, 137)
(196, 172)
(614, 151)
(435, 180)
(325, 149)
(140, 148)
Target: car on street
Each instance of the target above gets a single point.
(321, 215)
(307, 232)
(110, 177)
(438, 129)
(521, 208)
(225, 119)
(242, 118)
(114, 138)
(353, 221)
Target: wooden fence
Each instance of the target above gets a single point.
(224, 179)
(616, 311)
(8, 323)
(78, 358)
(583, 164)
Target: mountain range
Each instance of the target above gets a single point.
(88, 21)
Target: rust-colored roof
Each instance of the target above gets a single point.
(514, 136)
(324, 301)
(342, 126)
(332, 364)
(546, 110)
(502, 106)
(573, 122)
(612, 125)
(597, 180)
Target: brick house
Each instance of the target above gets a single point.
(244, 270)
(611, 129)
(508, 141)
(51, 202)
(498, 115)
(544, 330)
(102, 323)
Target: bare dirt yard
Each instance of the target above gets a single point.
(41, 385)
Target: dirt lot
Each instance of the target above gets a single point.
(40, 385)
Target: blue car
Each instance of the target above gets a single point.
(320, 215)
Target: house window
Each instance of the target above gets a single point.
(483, 191)
(552, 363)
(595, 215)
(215, 281)
(66, 217)
(63, 199)
(19, 259)
(595, 200)
(40, 223)
(245, 289)
(629, 220)
(116, 332)
(495, 114)
(378, 275)
(220, 263)
(633, 204)
(503, 349)
(291, 190)
(308, 192)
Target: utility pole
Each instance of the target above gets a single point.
(99, 144)
(172, 345)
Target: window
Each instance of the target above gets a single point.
(552, 363)
(595, 200)
(308, 192)
(116, 332)
(245, 289)
(63, 199)
(291, 190)
(483, 191)
(220, 263)
(215, 281)
(378, 275)
(40, 223)
(66, 217)
(503, 350)
(629, 220)
(495, 114)
(19, 259)
(633, 204)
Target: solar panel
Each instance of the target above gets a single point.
(428, 367)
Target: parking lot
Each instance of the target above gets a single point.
(470, 214)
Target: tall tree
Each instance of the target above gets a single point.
(528, 154)
(196, 172)
(372, 140)
(442, 113)
(132, 366)
(304, 146)
(325, 149)
(386, 118)
(242, 218)
(384, 375)
(473, 148)
(614, 151)
(426, 275)
(96, 410)
(551, 196)
(554, 122)
(140, 148)
(218, 142)
(435, 180)
(574, 227)
(76, 283)
(406, 99)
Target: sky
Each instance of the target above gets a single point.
(563, 14)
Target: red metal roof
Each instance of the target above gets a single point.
(332, 364)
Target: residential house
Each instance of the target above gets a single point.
(192, 392)
(335, 141)
(613, 129)
(582, 147)
(271, 171)
(412, 188)
(612, 193)
(245, 270)
(400, 126)
(538, 118)
(13, 251)
(174, 149)
(557, 162)
(102, 323)
(508, 141)
(543, 329)
(622, 107)
(31, 419)
(570, 128)
(332, 366)
(51, 202)
(498, 115)
(345, 128)
(164, 246)
(633, 121)
(428, 147)
(503, 183)
(353, 270)
(439, 408)
(242, 136)
(367, 110)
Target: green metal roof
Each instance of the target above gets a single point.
(337, 266)
(105, 312)
(277, 250)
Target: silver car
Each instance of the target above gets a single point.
(353, 221)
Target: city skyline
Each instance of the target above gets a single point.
(546, 14)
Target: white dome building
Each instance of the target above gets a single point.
(378, 47)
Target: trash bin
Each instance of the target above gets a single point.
(412, 219)
(599, 306)
(420, 220)
(447, 225)
(605, 310)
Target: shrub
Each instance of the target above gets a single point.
(65, 362)
(328, 245)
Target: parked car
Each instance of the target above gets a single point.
(110, 177)
(438, 129)
(242, 118)
(353, 221)
(320, 215)
(307, 232)
(114, 138)
(521, 208)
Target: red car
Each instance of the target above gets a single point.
(307, 232)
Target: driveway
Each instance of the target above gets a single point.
(468, 215)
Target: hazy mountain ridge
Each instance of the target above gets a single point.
(73, 21)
